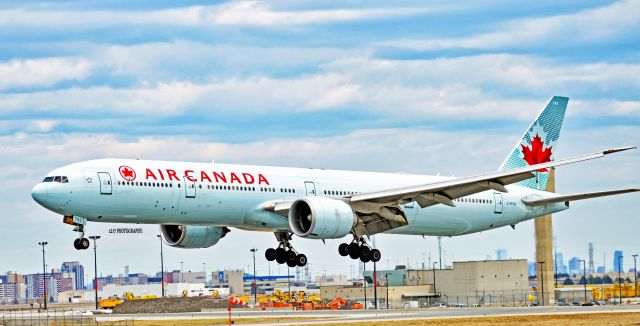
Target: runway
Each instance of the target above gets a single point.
(348, 316)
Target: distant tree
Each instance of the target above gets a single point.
(619, 280)
(567, 281)
(596, 280)
(590, 280)
(628, 280)
(607, 279)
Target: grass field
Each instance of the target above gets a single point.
(588, 319)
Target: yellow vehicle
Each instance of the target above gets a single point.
(128, 296)
(109, 303)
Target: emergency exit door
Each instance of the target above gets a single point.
(498, 203)
(105, 183)
(189, 188)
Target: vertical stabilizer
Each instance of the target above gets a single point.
(539, 142)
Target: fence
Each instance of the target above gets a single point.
(28, 317)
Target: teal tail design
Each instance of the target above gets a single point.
(539, 143)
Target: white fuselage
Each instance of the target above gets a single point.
(163, 192)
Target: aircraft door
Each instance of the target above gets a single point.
(310, 188)
(189, 188)
(105, 183)
(498, 203)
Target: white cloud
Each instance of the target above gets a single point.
(598, 24)
(236, 13)
(42, 71)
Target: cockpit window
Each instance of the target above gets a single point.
(58, 178)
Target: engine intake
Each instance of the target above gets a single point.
(192, 236)
(321, 218)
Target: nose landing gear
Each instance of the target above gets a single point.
(81, 243)
(284, 253)
(359, 249)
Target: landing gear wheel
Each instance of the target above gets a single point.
(354, 250)
(76, 244)
(291, 255)
(343, 249)
(84, 243)
(281, 255)
(301, 260)
(291, 263)
(375, 255)
(365, 253)
(270, 254)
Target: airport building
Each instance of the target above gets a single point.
(466, 283)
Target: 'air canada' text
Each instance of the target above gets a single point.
(203, 176)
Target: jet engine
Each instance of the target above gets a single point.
(321, 218)
(192, 236)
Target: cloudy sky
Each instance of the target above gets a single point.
(414, 86)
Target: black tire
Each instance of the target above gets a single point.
(375, 255)
(291, 255)
(281, 255)
(291, 263)
(365, 252)
(343, 249)
(301, 260)
(76, 244)
(84, 243)
(354, 250)
(270, 254)
(365, 259)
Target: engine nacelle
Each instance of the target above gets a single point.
(321, 218)
(192, 236)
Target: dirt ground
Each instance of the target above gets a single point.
(535, 320)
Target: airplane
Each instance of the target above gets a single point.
(196, 204)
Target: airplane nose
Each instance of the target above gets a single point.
(39, 194)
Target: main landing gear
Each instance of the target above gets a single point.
(81, 243)
(285, 252)
(359, 249)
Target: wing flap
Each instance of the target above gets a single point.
(566, 198)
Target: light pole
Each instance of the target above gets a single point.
(386, 278)
(95, 265)
(44, 276)
(620, 280)
(435, 293)
(255, 284)
(542, 279)
(584, 271)
(375, 286)
(181, 272)
(161, 265)
(635, 272)
(204, 270)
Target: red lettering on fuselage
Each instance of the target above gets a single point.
(172, 175)
(262, 179)
(234, 177)
(218, 177)
(150, 174)
(203, 175)
(187, 173)
(248, 178)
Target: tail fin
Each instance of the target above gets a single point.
(539, 142)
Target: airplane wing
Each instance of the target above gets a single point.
(445, 192)
(567, 198)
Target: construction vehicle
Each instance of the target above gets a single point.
(342, 303)
(109, 303)
(128, 296)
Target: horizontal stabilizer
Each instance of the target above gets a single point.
(560, 199)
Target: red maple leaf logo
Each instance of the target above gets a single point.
(127, 173)
(535, 154)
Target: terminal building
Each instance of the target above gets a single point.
(496, 282)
